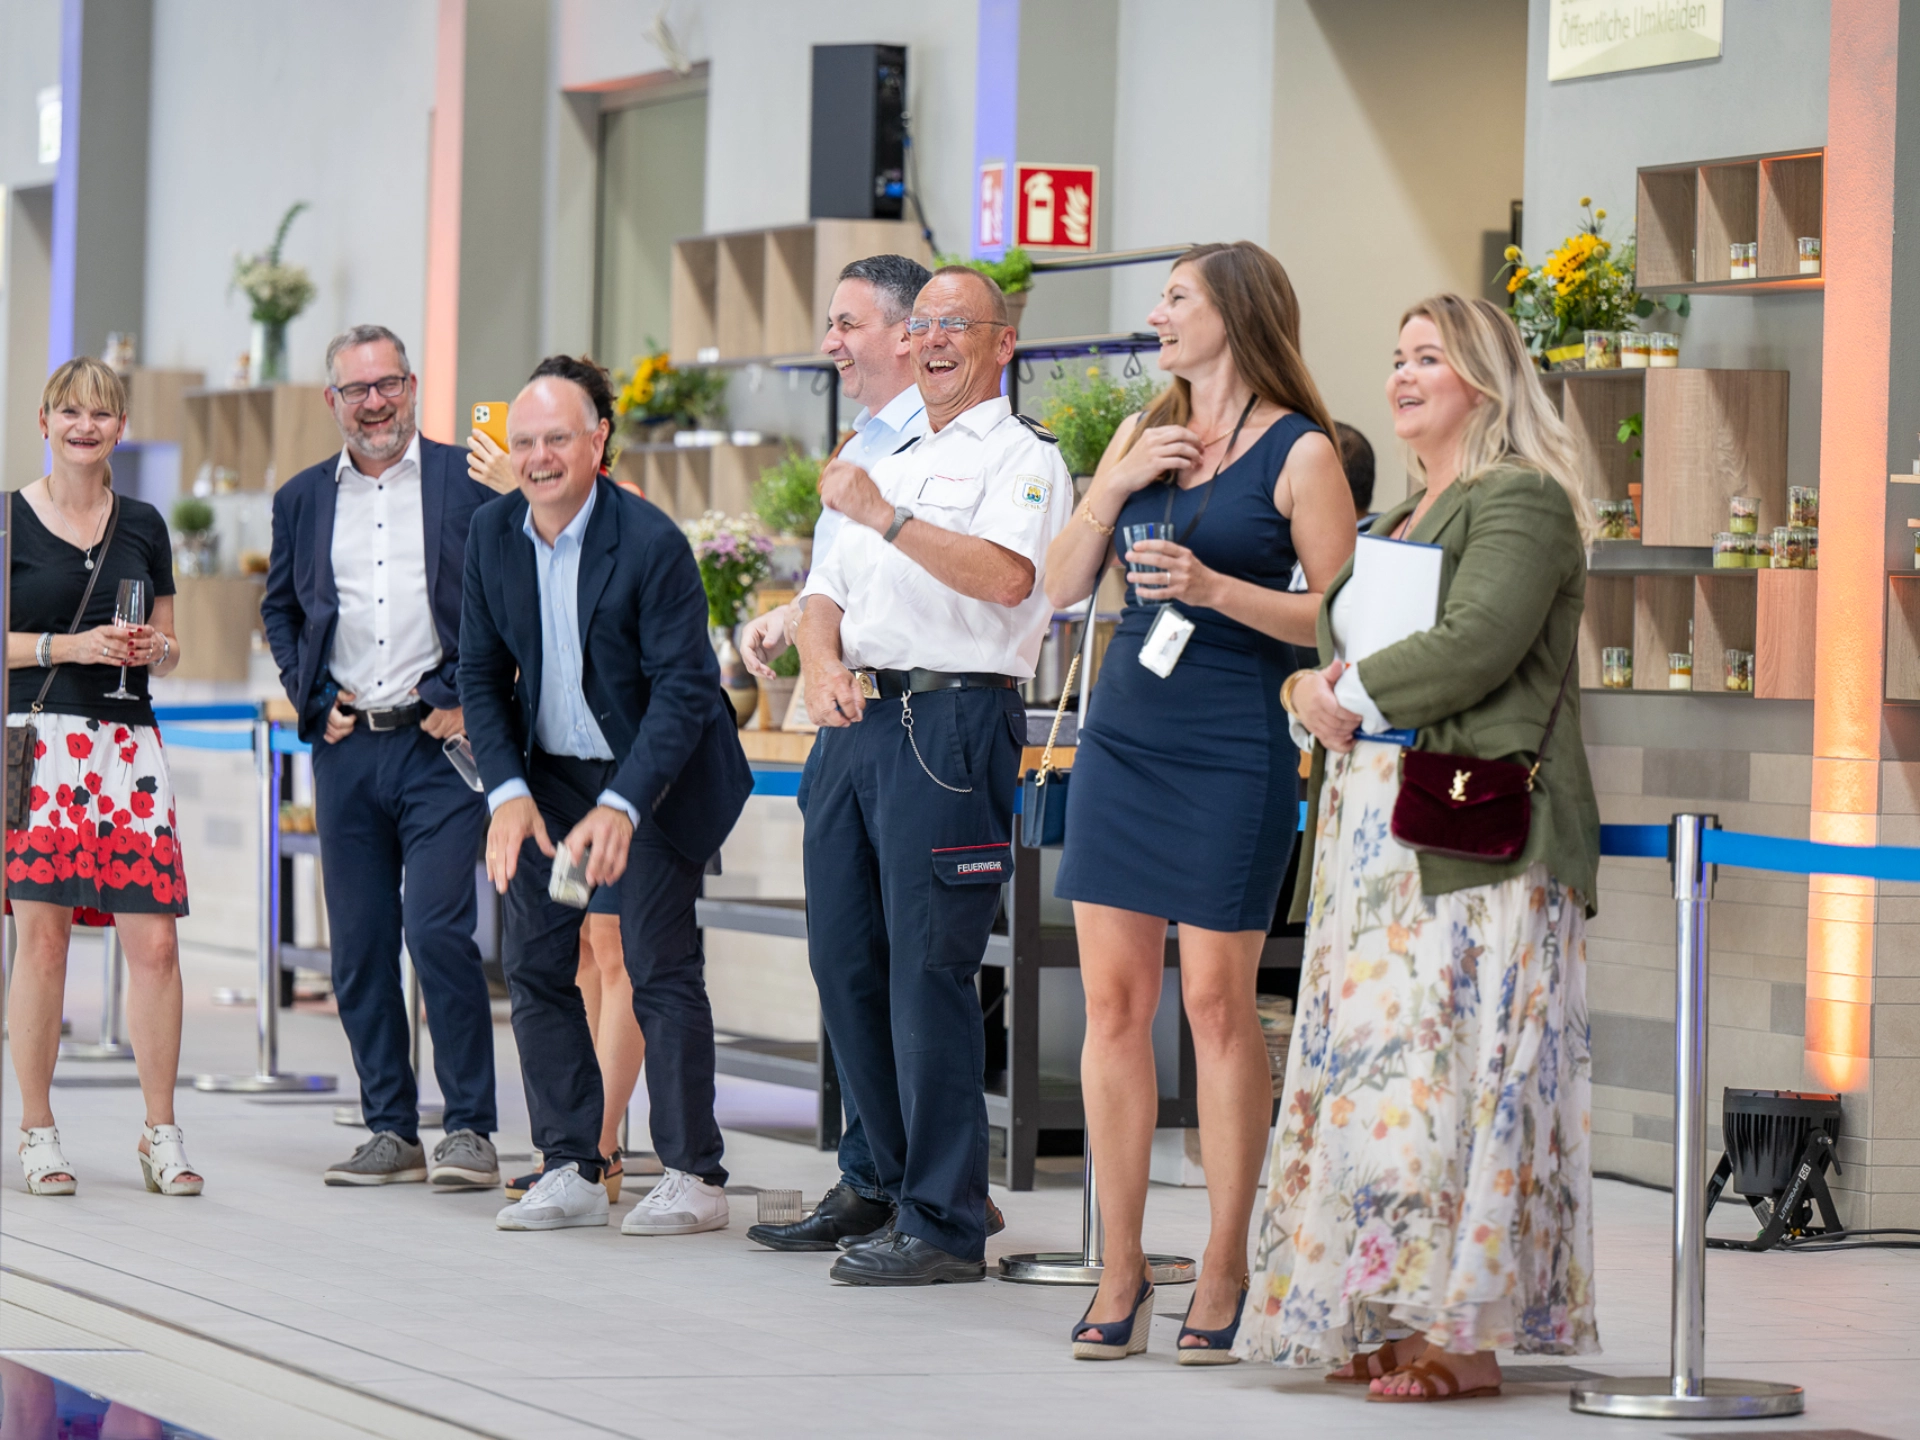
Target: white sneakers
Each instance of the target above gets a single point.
(681, 1204)
(560, 1200)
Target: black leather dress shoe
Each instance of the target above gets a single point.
(905, 1260)
(996, 1222)
(841, 1215)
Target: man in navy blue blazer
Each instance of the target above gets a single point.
(594, 705)
(363, 613)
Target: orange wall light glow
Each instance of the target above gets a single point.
(440, 354)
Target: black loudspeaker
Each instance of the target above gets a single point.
(859, 132)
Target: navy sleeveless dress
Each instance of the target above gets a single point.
(1185, 794)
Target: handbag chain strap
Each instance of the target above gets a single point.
(1046, 756)
(93, 578)
(1553, 715)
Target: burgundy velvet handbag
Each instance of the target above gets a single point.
(1466, 807)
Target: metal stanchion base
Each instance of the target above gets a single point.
(112, 1050)
(432, 1117)
(1069, 1267)
(1652, 1398)
(265, 1084)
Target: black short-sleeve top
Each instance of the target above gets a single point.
(49, 576)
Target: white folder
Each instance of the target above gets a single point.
(1395, 591)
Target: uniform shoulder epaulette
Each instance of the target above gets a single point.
(1037, 428)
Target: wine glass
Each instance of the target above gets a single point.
(129, 608)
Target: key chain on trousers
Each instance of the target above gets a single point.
(906, 722)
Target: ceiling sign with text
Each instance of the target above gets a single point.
(1054, 206)
(1599, 37)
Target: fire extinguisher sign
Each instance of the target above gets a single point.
(1055, 205)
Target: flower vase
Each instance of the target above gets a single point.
(268, 362)
(742, 690)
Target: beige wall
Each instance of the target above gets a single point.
(1398, 142)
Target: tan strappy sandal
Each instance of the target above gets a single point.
(1363, 1367)
(1429, 1375)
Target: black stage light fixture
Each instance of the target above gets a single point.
(1779, 1145)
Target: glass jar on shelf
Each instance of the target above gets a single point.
(1616, 668)
(1813, 548)
(1603, 350)
(1740, 671)
(1796, 547)
(1663, 351)
(1777, 557)
(1679, 670)
(1803, 505)
(1633, 350)
(1730, 551)
(1743, 514)
(1809, 247)
(1616, 519)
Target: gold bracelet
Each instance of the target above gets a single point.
(1086, 514)
(1287, 688)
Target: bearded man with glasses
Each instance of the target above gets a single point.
(362, 611)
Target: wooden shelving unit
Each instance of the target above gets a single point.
(265, 434)
(1691, 213)
(1903, 636)
(156, 404)
(765, 292)
(1767, 612)
(687, 482)
(1710, 435)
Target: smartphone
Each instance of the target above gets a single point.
(490, 418)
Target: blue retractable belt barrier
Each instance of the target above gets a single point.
(191, 737)
(1647, 842)
(776, 780)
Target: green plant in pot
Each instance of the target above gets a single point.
(197, 548)
(277, 292)
(786, 497)
(776, 695)
(654, 397)
(1083, 411)
(1012, 272)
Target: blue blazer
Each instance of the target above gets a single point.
(302, 604)
(648, 670)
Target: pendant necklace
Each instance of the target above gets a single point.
(86, 550)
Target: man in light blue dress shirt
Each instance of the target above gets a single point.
(867, 341)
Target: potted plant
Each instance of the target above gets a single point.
(278, 292)
(197, 548)
(1084, 410)
(1586, 284)
(776, 695)
(1012, 272)
(786, 498)
(655, 399)
(733, 561)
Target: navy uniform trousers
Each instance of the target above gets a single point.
(903, 883)
(566, 1097)
(387, 802)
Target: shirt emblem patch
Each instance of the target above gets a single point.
(1031, 491)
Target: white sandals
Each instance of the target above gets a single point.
(40, 1157)
(164, 1161)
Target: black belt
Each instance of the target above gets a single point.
(397, 717)
(892, 684)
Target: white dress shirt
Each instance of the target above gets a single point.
(877, 434)
(384, 640)
(987, 475)
(563, 722)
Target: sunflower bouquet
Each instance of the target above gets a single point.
(1585, 284)
(654, 392)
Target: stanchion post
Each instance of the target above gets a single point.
(267, 1077)
(109, 1045)
(1086, 1265)
(1686, 1392)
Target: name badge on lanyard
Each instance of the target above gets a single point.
(1162, 648)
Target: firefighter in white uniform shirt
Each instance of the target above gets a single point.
(917, 630)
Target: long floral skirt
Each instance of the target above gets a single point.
(101, 834)
(1431, 1169)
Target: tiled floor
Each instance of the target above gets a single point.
(413, 1297)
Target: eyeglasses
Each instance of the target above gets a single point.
(554, 440)
(951, 324)
(391, 387)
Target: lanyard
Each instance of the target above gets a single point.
(1173, 484)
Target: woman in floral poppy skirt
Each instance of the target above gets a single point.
(101, 844)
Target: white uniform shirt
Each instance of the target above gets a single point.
(384, 640)
(877, 434)
(985, 474)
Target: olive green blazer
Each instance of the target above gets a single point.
(1513, 582)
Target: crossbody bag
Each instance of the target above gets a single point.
(23, 741)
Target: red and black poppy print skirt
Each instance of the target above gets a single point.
(101, 835)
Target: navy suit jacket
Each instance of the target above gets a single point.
(302, 604)
(648, 670)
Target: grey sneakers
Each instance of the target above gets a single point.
(385, 1159)
(465, 1160)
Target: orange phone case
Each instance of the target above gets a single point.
(490, 417)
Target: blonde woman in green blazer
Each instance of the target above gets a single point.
(1430, 1178)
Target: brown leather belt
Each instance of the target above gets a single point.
(892, 684)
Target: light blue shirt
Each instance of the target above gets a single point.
(563, 724)
(877, 435)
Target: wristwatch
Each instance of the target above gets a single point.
(901, 514)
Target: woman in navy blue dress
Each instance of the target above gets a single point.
(1184, 803)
